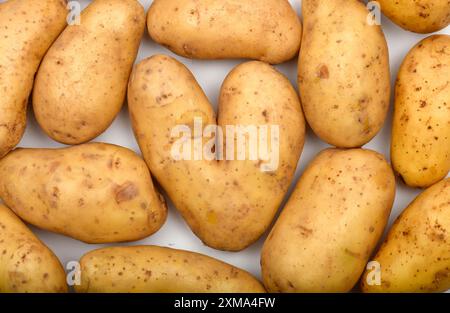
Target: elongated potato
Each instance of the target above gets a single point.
(343, 72)
(265, 30)
(420, 16)
(26, 264)
(27, 29)
(81, 84)
(228, 203)
(157, 269)
(420, 146)
(331, 224)
(95, 192)
(416, 255)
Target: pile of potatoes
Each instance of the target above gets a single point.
(78, 76)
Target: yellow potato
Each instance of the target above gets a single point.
(331, 224)
(81, 84)
(265, 30)
(27, 29)
(416, 255)
(227, 203)
(420, 16)
(95, 192)
(420, 146)
(343, 72)
(156, 269)
(26, 264)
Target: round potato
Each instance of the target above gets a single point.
(343, 72)
(227, 201)
(81, 84)
(420, 16)
(26, 264)
(95, 192)
(331, 224)
(265, 30)
(416, 255)
(156, 269)
(27, 29)
(420, 146)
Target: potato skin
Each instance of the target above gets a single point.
(230, 203)
(416, 255)
(28, 28)
(26, 264)
(343, 77)
(265, 30)
(331, 224)
(96, 193)
(79, 91)
(152, 269)
(420, 146)
(420, 16)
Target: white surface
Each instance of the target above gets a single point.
(210, 74)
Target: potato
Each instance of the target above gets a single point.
(343, 72)
(27, 29)
(420, 146)
(156, 269)
(265, 30)
(420, 16)
(95, 192)
(81, 84)
(26, 264)
(228, 203)
(415, 256)
(331, 223)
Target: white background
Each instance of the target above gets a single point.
(210, 74)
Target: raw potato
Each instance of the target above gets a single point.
(420, 147)
(265, 30)
(331, 224)
(96, 192)
(27, 29)
(81, 84)
(228, 203)
(26, 264)
(416, 254)
(420, 16)
(156, 269)
(343, 73)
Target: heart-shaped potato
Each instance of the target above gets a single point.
(27, 29)
(95, 192)
(227, 203)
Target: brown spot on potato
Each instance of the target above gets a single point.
(266, 115)
(440, 276)
(323, 72)
(54, 166)
(125, 192)
(434, 236)
(304, 231)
